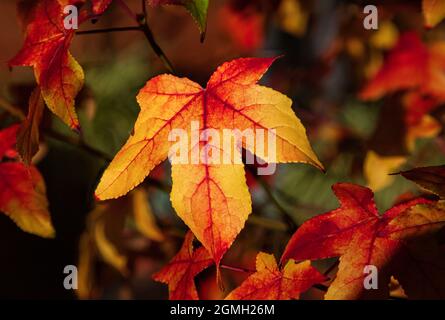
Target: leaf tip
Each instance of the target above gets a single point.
(97, 198)
(76, 128)
(203, 36)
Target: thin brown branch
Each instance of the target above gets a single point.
(143, 23)
(267, 223)
(320, 287)
(141, 20)
(14, 111)
(76, 142)
(127, 10)
(98, 154)
(107, 30)
(331, 268)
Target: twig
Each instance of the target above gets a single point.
(267, 223)
(320, 287)
(76, 142)
(143, 22)
(106, 30)
(98, 154)
(16, 112)
(331, 268)
(127, 10)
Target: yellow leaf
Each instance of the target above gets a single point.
(106, 224)
(385, 37)
(292, 17)
(377, 169)
(143, 216)
(87, 253)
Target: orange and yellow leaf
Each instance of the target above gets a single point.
(212, 199)
(271, 283)
(22, 190)
(23, 198)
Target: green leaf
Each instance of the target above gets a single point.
(198, 10)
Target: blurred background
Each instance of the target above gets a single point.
(327, 57)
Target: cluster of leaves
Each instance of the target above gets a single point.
(213, 200)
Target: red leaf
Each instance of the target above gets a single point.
(59, 76)
(179, 274)
(7, 142)
(22, 191)
(412, 66)
(406, 67)
(361, 237)
(99, 6)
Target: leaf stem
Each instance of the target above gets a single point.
(237, 269)
(320, 287)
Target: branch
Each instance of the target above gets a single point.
(98, 154)
(77, 143)
(127, 10)
(267, 223)
(331, 268)
(117, 29)
(141, 20)
(143, 23)
(14, 111)
(320, 287)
